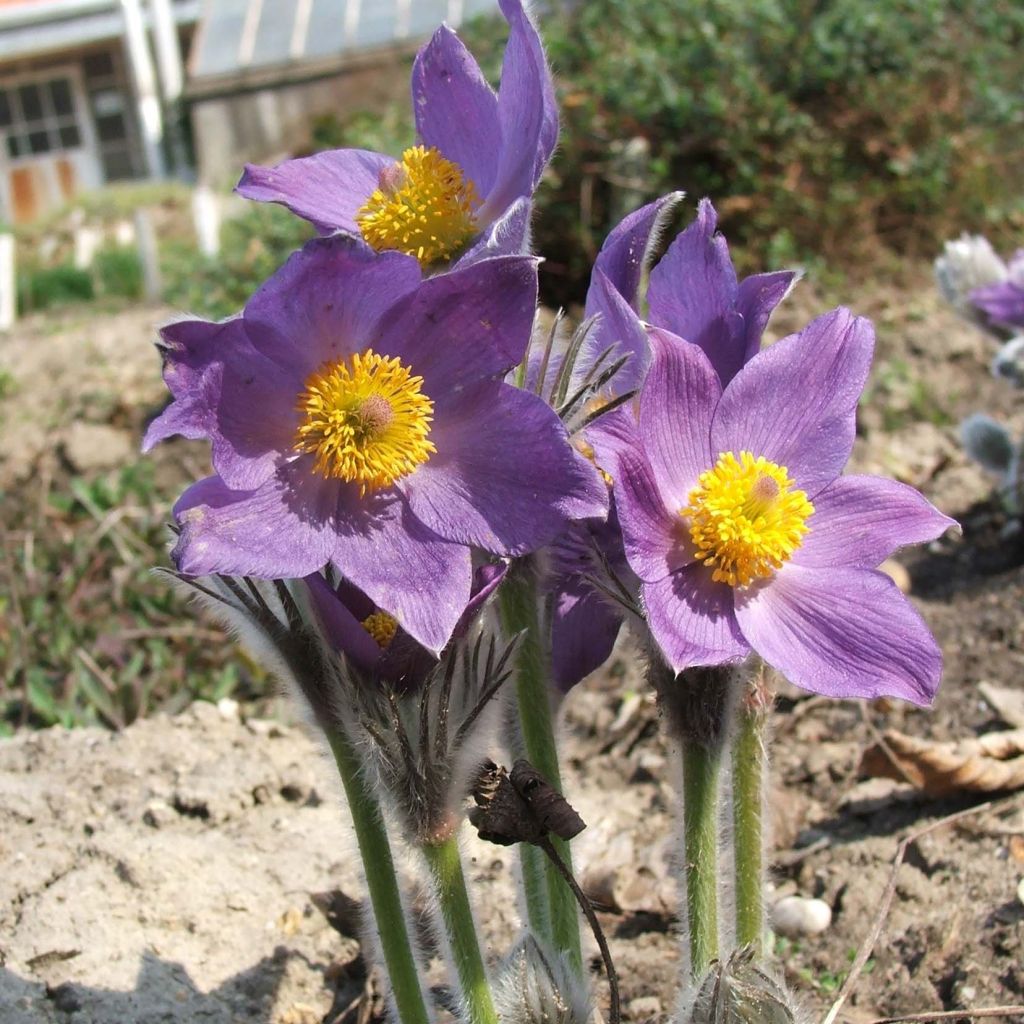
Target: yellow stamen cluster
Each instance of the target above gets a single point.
(745, 518)
(423, 206)
(382, 627)
(366, 420)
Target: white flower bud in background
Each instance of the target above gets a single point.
(535, 986)
(1008, 364)
(988, 443)
(969, 262)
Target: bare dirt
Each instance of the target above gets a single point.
(173, 872)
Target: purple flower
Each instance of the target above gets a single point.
(373, 641)
(1003, 302)
(744, 534)
(693, 292)
(358, 418)
(468, 181)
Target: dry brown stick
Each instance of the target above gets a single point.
(887, 751)
(866, 947)
(984, 1011)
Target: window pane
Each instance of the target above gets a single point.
(5, 109)
(14, 145)
(110, 128)
(31, 103)
(60, 93)
(39, 142)
(69, 137)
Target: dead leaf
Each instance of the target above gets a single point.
(1007, 703)
(1017, 848)
(989, 764)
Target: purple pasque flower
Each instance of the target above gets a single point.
(468, 181)
(373, 641)
(744, 534)
(358, 418)
(1003, 301)
(693, 292)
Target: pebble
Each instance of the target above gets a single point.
(797, 916)
(1020, 891)
(644, 1007)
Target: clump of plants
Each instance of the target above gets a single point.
(430, 522)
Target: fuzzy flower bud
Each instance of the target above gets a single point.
(738, 991)
(535, 986)
(968, 263)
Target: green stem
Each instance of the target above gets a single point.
(382, 883)
(453, 900)
(551, 906)
(701, 772)
(747, 768)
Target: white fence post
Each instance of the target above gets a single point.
(149, 255)
(8, 291)
(206, 215)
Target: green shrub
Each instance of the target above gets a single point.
(118, 271)
(253, 246)
(834, 128)
(43, 287)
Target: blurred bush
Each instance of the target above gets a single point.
(118, 271)
(253, 246)
(821, 128)
(44, 287)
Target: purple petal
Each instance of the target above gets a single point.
(282, 530)
(757, 297)
(861, 520)
(655, 536)
(843, 632)
(677, 404)
(327, 189)
(507, 236)
(627, 249)
(456, 110)
(618, 325)
(795, 403)
(584, 628)
(692, 619)
(326, 302)
(1003, 302)
(345, 632)
(226, 391)
(613, 432)
(404, 568)
(465, 326)
(504, 477)
(527, 114)
(693, 293)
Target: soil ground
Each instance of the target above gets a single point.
(179, 870)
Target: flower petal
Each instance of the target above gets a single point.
(344, 631)
(326, 302)
(1002, 302)
(226, 391)
(507, 236)
(655, 536)
(504, 476)
(465, 326)
(795, 403)
(618, 325)
(693, 293)
(692, 619)
(757, 297)
(584, 628)
(456, 110)
(843, 632)
(861, 520)
(527, 114)
(327, 189)
(677, 404)
(404, 568)
(282, 530)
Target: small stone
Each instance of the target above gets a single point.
(1020, 891)
(97, 446)
(158, 813)
(797, 916)
(644, 1007)
(228, 709)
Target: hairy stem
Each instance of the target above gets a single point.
(382, 883)
(460, 929)
(748, 759)
(701, 773)
(551, 907)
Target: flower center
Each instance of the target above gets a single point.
(366, 420)
(382, 627)
(422, 206)
(746, 519)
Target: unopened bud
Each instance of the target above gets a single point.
(738, 991)
(535, 986)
